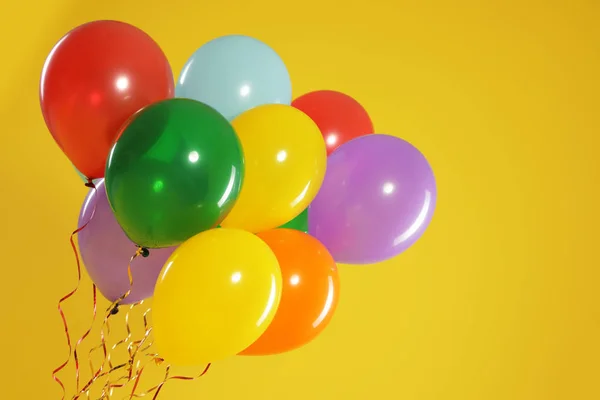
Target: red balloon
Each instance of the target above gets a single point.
(339, 117)
(95, 78)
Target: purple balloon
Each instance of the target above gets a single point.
(377, 199)
(106, 251)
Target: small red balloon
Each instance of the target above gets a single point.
(339, 117)
(94, 79)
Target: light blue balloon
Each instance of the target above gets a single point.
(233, 74)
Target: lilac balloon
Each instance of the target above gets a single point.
(377, 199)
(106, 251)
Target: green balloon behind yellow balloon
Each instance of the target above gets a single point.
(300, 223)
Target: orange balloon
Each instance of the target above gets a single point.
(310, 292)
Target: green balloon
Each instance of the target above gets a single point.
(300, 223)
(175, 171)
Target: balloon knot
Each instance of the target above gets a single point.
(144, 252)
(90, 184)
(115, 310)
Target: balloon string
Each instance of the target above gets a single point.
(134, 372)
(147, 332)
(102, 346)
(162, 384)
(85, 335)
(87, 387)
(110, 386)
(191, 378)
(136, 382)
(156, 389)
(137, 372)
(55, 372)
(138, 346)
(128, 329)
(105, 333)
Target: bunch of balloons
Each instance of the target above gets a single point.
(241, 199)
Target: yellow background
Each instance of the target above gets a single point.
(499, 300)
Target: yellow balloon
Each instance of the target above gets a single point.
(285, 160)
(215, 296)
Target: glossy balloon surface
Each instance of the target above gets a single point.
(216, 295)
(377, 199)
(93, 80)
(285, 166)
(339, 117)
(233, 74)
(310, 292)
(175, 171)
(106, 251)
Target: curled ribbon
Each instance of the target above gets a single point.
(133, 365)
(105, 332)
(85, 335)
(109, 386)
(156, 389)
(55, 372)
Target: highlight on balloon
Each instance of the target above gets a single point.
(220, 197)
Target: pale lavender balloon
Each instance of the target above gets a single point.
(106, 251)
(377, 199)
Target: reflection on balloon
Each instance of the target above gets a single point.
(233, 74)
(310, 292)
(287, 161)
(339, 117)
(106, 252)
(175, 171)
(89, 87)
(223, 184)
(215, 296)
(377, 199)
